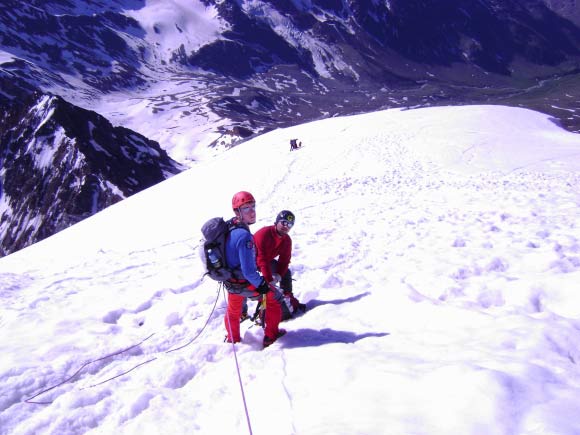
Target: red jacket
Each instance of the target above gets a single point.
(270, 245)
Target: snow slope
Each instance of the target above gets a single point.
(438, 251)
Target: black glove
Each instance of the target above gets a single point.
(263, 288)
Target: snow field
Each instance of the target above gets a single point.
(438, 251)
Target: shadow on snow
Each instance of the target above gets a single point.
(316, 303)
(313, 337)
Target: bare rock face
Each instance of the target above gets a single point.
(61, 164)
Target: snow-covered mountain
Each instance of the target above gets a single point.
(261, 64)
(196, 76)
(437, 250)
(61, 164)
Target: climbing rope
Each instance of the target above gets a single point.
(70, 378)
(29, 400)
(238, 369)
(204, 326)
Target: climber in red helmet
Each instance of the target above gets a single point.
(241, 253)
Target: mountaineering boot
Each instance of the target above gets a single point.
(297, 306)
(268, 340)
(229, 340)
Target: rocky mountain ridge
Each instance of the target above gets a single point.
(61, 164)
(186, 74)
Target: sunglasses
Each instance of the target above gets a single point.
(247, 208)
(286, 224)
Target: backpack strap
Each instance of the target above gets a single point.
(238, 282)
(234, 223)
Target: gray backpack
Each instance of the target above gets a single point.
(213, 253)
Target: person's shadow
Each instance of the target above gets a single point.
(313, 337)
(316, 303)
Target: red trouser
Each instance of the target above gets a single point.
(234, 311)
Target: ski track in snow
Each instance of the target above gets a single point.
(392, 234)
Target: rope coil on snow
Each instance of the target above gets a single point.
(70, 378)
(29, 400)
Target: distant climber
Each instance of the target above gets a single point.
(294, 144)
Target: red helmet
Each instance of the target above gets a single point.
(242, 198)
